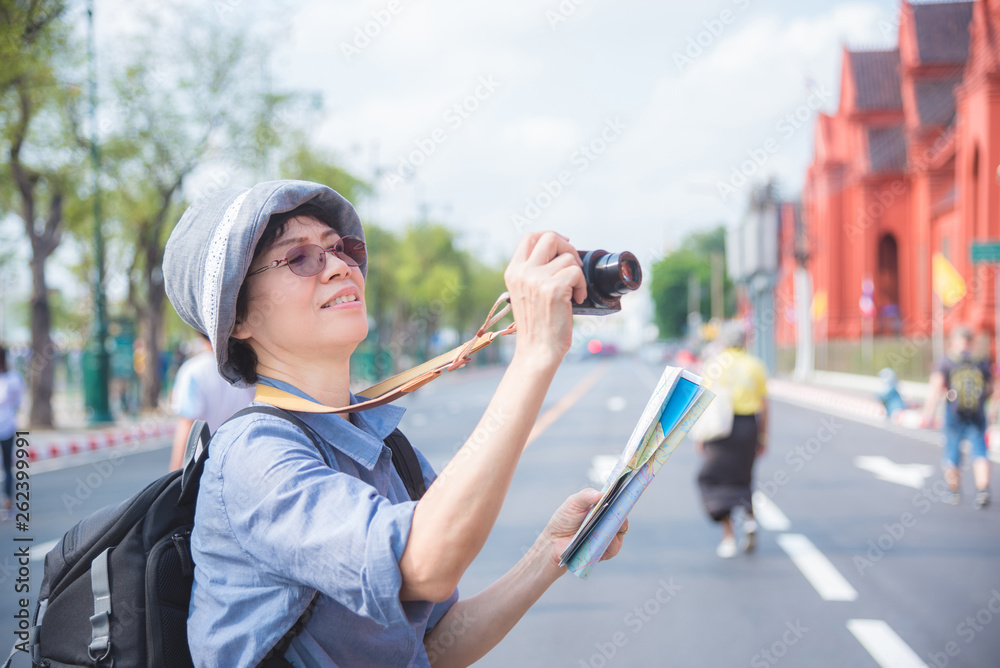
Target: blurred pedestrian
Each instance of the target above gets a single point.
(726, 476)
(965, 381)
(200, 393)
(890, 396)
(11, 393)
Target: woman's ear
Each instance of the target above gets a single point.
(240, 331)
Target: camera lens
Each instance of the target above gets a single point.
(616, 274)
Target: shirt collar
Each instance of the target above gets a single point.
(362, 438)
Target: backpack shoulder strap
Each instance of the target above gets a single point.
(407, 465)
(404, 459)
(194, 459)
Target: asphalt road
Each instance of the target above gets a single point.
(894, 575)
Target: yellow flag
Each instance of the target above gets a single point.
(948, 284)
(819, 305)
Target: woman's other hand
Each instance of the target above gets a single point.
(567, 519)
(543, 279)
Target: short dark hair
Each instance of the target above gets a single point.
(241, 354)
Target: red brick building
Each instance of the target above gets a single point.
(907, 167)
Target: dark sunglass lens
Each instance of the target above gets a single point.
(351, 250)
(306, 260)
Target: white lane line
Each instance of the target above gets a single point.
(601, 467)
(769, 515)
(39, 550)
(885, 646)
(822, 574)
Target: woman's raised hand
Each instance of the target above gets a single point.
(542, 278)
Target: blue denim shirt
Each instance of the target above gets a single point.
(274, 524)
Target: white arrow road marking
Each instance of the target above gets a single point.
(600, 468)
(822, 575)
(911, 475)
(885, 646)
(769, 515)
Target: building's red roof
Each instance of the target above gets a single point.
(876, 79)
(936, 100)
(942, 32)
(887, 149)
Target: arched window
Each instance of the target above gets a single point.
(978, 227)
(887, 286)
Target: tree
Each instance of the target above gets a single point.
(671, 277)
(42, 157)
(190, 98)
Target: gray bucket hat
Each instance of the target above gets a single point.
(209, 252)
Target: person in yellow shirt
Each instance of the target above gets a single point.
(726, 476)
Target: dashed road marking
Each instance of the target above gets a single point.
(601, 467)
(769, 515)
(616, 404)
(822, 575)
(885, 646)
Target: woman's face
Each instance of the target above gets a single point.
(294, 319)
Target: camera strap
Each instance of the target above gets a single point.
(405, 382)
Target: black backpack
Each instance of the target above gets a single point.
(968, 382)
(116, 590)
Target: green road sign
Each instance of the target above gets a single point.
(986, 251)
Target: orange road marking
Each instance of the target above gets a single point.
(548, 418)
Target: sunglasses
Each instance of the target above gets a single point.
(310, 259)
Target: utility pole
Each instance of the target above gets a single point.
(718, 303)
(98, 405)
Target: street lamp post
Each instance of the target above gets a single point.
(97, 401)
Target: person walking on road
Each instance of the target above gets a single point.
(726, 476)
(966, 382)
(11, 393)
(200, 393)
(275, 275)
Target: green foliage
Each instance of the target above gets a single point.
(195, 100)
(671, 277)
(309, 164)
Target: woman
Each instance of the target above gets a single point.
(726, 476)
(274, 523)
(11, 392)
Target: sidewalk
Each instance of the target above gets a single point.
(72, 433)
(854, 396)
(846, 392)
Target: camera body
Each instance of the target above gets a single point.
(608, 277)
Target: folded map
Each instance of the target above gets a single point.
(676, 404)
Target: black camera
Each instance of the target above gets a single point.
(608, 276)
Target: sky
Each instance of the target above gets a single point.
(649, 111)
(624, 125)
